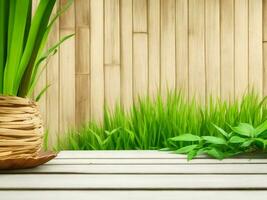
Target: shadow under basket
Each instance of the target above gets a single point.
(21, 129)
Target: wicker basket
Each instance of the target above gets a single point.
(21, 128)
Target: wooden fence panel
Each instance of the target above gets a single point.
(126, 48)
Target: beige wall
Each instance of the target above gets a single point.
(126, 48)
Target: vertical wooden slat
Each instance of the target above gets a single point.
(67, 70)
(140, 65)
(53, 91)
(97, 59)
(126, 29)
(212, 26)
(82, 67)
(227, 49)
(265, 68)
(112, 53)
(264, 24)
(241, 47)
(140, 16)
(196, 50)
(264, 47)
(154, 46)
(255, 45)
(112, 86)
(167, 45)
(182, 45)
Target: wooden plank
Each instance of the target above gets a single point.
(112, 86)
(264, 20)
(154, 46)
(146, 169)
(140, 65)
(168, 70)
(134, 195)
(241, 47)
(255, 45)
(133, 154)
(151, 161)
(112, 53)
(52, 94)
(264, 68)
(82, 58)
(212, 46)
(112, 32)
(196, 50)
(227, 49)
(126, 37)
(182, 45)
(67, 70)
(97, 59)
(140, 16)
(82, 99)
(136, 182)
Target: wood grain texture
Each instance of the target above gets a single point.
(112, 53)
(212, 46)
(264, 68)
(197, 68)
(67, 70)
(182, 45)
(227, 49)
(157, 174)
(140, 16)
(241, 47)
(264, 24)
(52, 108)
(154, 46)
(168, 70)
(82, 62)
(97, 59)
(126, 37)
(140, 65)
(255, 45)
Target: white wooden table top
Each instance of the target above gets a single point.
(137, 175)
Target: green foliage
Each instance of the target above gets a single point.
(22, 42)
(241, 139)
(151, 122)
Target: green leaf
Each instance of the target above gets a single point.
(216, 153)
(36, 33)
(4, 6)
(186, 138)
(237, 139)
(247, 143)
(214, 140)
(22, 7)
(223, 132)
(186, 149)
(42, 93)
(261, 128)
(192, 154)
(244, 129)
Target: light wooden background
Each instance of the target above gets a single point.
(126, 48)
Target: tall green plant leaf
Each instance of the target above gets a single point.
(37, 30)
(16, 46)
(4, 6)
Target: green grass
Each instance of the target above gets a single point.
(150, 123)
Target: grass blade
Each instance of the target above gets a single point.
(4, 6)
(16, 45)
